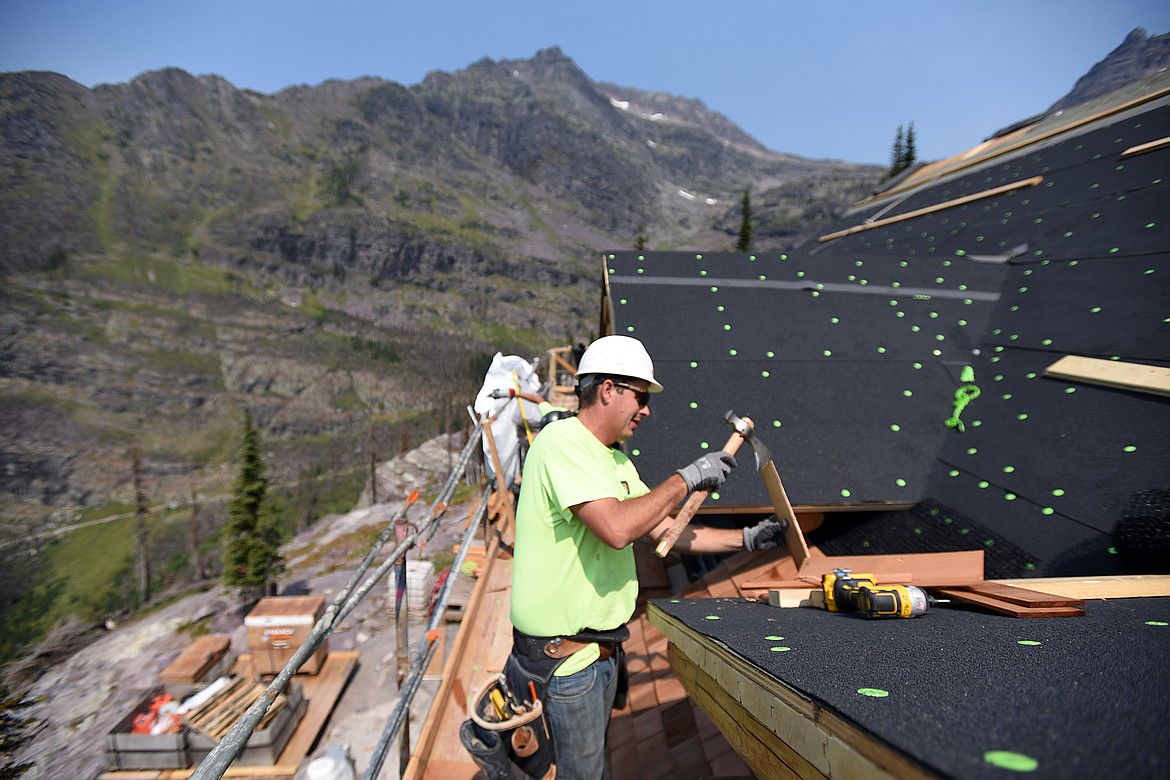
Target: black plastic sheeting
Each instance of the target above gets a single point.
(1081, 697)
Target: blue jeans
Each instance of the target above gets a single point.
(577, 708)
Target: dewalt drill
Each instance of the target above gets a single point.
(846, 591)
(902, 601)
(841, 588)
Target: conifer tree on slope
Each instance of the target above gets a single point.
(252, 559)
(744, 244)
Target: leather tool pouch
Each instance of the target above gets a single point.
(506, 748)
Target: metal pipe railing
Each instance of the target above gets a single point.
(225, 752)
(426, 649)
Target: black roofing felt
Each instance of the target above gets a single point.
(848, 353)
(1082, 697)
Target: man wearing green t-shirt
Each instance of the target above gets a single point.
(574, 585)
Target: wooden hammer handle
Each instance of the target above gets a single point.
(667, 540)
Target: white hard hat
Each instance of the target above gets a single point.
(619, 356)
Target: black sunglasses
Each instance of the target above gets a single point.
(641, 396)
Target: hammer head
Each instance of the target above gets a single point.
(746, 429)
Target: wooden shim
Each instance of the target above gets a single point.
(1112, 373)
(793, 536)
(1121, 586)
(1006, 607)
(962, 567)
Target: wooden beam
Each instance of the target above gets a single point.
(949, 204)
(1152, 146)
(1121, 586)
(1112, 373)
(442, 700)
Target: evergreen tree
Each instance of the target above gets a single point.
(252, 559)
(905, 152)
(640, 240)
(744, 244)
(897, 154)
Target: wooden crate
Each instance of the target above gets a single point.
(204, 659)
(125, 750)
(277, 627)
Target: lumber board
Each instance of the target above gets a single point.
(1151, 146)
(1026, 597)
(436, 728)
(193, 663)
(1007, 607)
(1112, 373)
(962, 567)
(1120, 586)
(322, 690)
(991, 193)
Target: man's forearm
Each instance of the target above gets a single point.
(701, 540)
(621, 523)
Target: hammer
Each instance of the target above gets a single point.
(743, 432)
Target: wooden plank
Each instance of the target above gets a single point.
(193, 663)
(1006, 607)
(1152, 146)
(1112, 373)
(991, 193)
(440, 713)
(1121, 586)
(963, 567)
(1023, 596)
(322, 690)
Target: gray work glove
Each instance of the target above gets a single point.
(708, 472)
(767, 534)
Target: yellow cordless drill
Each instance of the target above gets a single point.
(841, 587)
(847, 591)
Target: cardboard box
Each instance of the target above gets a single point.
(125, 750)
(277, 627)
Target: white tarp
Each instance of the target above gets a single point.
(508, 414)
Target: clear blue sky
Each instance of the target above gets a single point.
(819, 78)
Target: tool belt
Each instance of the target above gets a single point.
(507, 732)
(540, 649)
(539, 656)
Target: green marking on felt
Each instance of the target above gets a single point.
(1015, 762)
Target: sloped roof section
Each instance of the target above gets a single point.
(978, 273)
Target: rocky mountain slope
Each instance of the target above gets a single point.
(175, 248)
